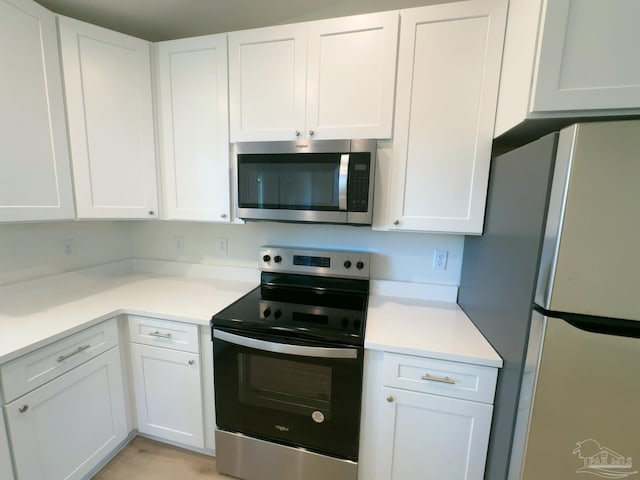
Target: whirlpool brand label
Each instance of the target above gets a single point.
(602, 461)
(282, 428)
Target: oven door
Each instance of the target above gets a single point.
(290, 393)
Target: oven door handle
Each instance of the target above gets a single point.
(319, 352)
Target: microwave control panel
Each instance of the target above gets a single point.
(359, 177)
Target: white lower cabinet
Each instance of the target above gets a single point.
(66, 427)
(168, 385)
(428, 436)
(6, 470)
(430, 419)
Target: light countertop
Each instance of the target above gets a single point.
(433, 329)
(38, 312)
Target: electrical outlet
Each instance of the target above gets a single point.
(440, 258)
(179, 242)
(221, 246)
(68, 247)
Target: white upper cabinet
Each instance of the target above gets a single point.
(35, 176)
(267, 83)
(569, 58)
(448, 71)
(320, 80)
(107, 79)
(194, 128)
(351, 76)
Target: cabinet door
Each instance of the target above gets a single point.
(66, 427)
(107, 77)
(35, 176)
(449, 66)
(267, 83)
(6, 470)
(351, 76)
(167, 385)
(428, 436)
(194, 128)
(588, 57)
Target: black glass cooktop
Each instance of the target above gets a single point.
(323, 309)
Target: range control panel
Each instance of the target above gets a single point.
(330, 263)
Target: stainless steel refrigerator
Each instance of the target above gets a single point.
(554, 285)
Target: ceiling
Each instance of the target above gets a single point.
(157, 20)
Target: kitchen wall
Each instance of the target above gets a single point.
(397, 256)
(33, 250)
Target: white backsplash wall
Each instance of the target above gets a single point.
(397, 256)
(31, 250)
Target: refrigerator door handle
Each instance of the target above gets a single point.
(603, 325)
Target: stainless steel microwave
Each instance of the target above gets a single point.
(325, 181)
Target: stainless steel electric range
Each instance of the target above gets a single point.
(288, 360)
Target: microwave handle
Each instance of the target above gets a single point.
(342, 181)
(318, 352)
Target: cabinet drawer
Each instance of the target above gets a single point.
(164, 333)
(25, 373)
(439, 377)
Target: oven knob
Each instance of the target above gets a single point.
(360, 265)
(347, 264)
(267, 312)
(266, 258)
(345, 322)
(356, 325)
(277, 259)
(277, 314)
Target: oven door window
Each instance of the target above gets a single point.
(287, 182)
(286, 385)
(295, 400)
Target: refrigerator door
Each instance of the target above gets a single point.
(585, 411)
(590, 263)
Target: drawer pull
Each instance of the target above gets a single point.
(433, 378)
(62, 358)
(390, 399)
(23, 408)
(191, 362)
(160, 335)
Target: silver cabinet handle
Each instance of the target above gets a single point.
(23, 408)
(191, 362)
(152, 212)
(396, 223)
(298, 133)
(312, 133)
(390, 399)
(160, 335)
(62, 358)
(433, 378)
(223, 215)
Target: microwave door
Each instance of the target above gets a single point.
(293, 187)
